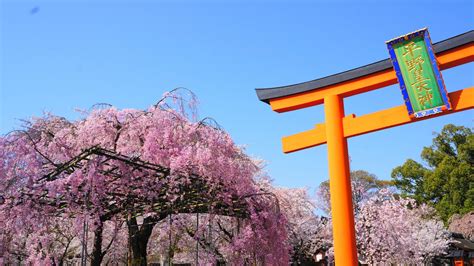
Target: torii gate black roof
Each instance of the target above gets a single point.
(266, 94)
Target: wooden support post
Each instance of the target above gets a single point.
(345, 251)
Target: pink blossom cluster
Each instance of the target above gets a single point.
(35, 206)
(391, 229)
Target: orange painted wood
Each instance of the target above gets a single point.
(306, 139)
(353, 126)
(345, 251)
(448, 59)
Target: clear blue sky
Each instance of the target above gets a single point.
(60, 55)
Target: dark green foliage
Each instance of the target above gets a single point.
(446, 178)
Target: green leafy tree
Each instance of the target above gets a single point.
(445, 179)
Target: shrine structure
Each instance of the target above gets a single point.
(415, 64)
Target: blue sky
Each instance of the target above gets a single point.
(60, 55)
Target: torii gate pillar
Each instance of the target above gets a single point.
(340, 182)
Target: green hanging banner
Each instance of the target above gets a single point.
(418, 74)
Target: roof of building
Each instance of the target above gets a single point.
(266, 94)
(463, 244)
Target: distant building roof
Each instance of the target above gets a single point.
(266, 94)
(460, 247)
(464, 244)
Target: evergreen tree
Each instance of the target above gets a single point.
(445, 179)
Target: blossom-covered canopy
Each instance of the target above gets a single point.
(117, 164)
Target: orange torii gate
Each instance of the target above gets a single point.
(337, 128)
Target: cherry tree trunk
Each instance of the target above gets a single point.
(138, 239)
(97, 254)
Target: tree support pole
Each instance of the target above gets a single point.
(345, 251)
